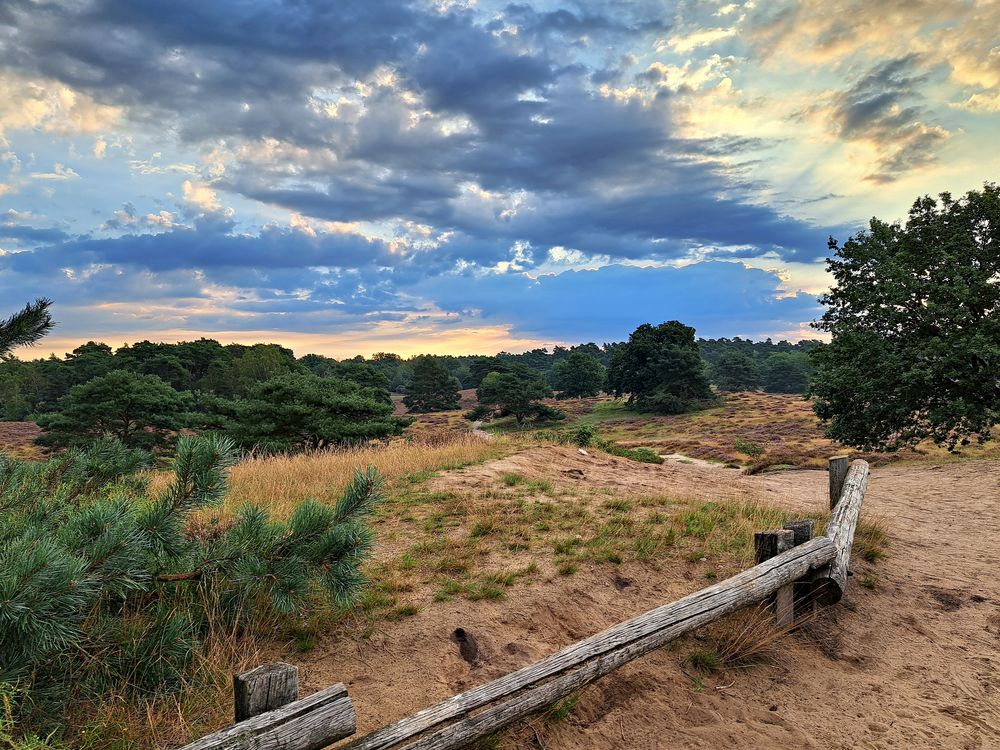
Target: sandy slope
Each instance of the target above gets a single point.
(913, 665)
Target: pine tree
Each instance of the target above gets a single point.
(518, 393)
(302, 411)
(660, 370)
(139, 410)
(432, 387)
(105, 586)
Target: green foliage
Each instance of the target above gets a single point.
(707, 660)
(786, 372)
(319, 365)
(660, 370)
(147, 358)
(483, 366)
(138, 410)
(432, 388)
(915, 318)
(748, 447)
(517, 393)
(302, 410)
(578, 375)
(105, 587)
(584, 435)
(736, 371)
(643, 455)
(562, 709)
(10, 737)
(25, 327)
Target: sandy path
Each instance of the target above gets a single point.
(925, 666)
(914, 665)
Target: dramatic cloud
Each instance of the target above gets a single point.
(878, 108)
(305, 166)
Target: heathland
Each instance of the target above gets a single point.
(529, 542)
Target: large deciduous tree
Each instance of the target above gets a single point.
(914, 313)
(432, 387)
(660, 369)
(578, 375)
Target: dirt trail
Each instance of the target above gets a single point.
(913, 665)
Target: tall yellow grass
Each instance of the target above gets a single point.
(281, 482)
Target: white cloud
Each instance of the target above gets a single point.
(200, 196)
(59, 172)
(685, 44)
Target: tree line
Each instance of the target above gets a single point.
(912, 315)
(205, 382)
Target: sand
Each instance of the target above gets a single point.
(911, 665)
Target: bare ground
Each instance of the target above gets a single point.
(17, 439)
(913, 664)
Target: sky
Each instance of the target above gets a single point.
(467, 177)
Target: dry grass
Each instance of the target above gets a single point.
(476, 544)
(279, 483)
(760, 431)
(119, 721)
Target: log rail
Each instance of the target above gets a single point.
(790, 568)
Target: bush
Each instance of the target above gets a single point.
(105, 587)
(643, 455)
(584, 435)
(748, 447)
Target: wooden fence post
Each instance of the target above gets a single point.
(804, 602)
(263, 689)
(768, 544)
(829, 583)
(838, 474)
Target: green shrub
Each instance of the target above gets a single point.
(106, 587)
(584, 435)
(748, 447)
(643, 455)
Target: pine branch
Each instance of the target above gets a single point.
(27, 326)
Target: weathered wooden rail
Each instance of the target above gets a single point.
(796, 570)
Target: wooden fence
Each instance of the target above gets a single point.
(793, 568)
